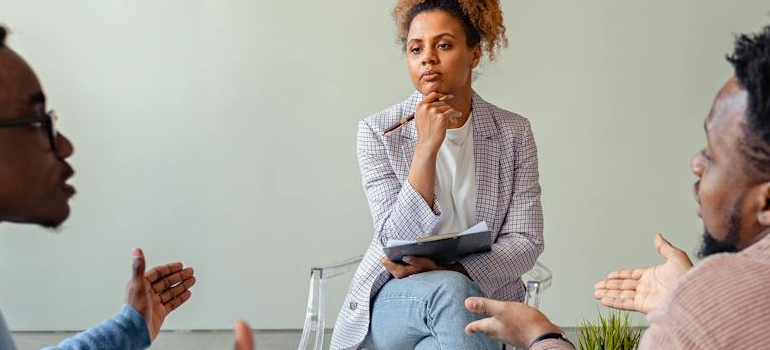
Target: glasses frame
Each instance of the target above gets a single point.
(47, 120)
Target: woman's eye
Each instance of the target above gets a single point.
(443, 46)
(414, 50)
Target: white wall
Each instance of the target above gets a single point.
(222, 133)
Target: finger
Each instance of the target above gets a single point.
(395, 269)
(484, 306)
(432, 97)
(600, 293)
(137, 269)
(452, 114)
(161, 271)
(626, 274)
(421, 262)
(168, 281)
(177, 290)
(244, 338)
(620, 304)
(488, 326)
(627, 284)
(664, 248)
(620, 294)
(440, 109)
(175, 303)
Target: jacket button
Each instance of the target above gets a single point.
(353, 306)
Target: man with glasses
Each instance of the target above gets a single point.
(34, 189)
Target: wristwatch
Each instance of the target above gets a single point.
(546, 336)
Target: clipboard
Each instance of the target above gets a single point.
(444, 249)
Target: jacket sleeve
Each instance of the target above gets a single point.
(520, 240)
(398, 210)
(126, 331)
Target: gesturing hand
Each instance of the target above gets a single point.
(642, 289)
(510, 322)
(244, 339)
(159, 291)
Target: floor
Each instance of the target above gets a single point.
(188, 340)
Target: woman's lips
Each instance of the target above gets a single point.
(430, 75)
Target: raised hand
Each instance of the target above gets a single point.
(643, 289)
(158, 292)
(509, 322)
(244, 339)
(431, 119)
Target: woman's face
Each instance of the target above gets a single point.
(437, 54)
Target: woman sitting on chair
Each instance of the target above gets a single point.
(460, 161)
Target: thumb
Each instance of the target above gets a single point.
(244, 339)
(139, 264)
(664, 248)
(483, 306)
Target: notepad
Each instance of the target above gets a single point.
(444, 249)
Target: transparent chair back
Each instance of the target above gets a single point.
(536, 280)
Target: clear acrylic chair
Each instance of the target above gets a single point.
(537, 280)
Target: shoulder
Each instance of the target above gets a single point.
(508, 123)
(382, 120)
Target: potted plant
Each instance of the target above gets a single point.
(611, 332)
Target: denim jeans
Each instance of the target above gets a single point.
(425, 311)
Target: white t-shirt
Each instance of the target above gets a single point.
(456, 180)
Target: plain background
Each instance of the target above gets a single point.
(222, 134)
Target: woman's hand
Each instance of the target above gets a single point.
(158, 292)
(509, 322)
(432, 119)
(415, 264)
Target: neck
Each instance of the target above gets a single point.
(461, 103)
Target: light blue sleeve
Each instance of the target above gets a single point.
(126, 331)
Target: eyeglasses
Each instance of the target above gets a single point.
(46, 120)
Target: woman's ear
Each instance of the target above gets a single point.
(476, 56)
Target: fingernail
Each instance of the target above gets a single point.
(407, 259)
(137, 253)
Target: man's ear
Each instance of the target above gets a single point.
(477, 54)
(762, 202)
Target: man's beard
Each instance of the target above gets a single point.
(709, 245)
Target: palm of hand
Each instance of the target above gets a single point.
(643, 289)
(158, 292)
(654, 284)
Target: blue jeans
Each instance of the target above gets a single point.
(425, 311)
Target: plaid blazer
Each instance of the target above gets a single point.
(508, 199)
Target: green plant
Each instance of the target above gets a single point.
(611, 332)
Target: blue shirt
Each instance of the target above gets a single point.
(126, 331)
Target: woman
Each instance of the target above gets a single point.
(460, 161)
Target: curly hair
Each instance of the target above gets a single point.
(3, 33)
(751, 61)
(481, 19)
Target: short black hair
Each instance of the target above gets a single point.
(751, 60)
(3, 33)
(453, 8)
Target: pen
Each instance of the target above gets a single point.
(408, 119)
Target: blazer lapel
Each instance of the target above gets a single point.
(486, 144)
(409, 131)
